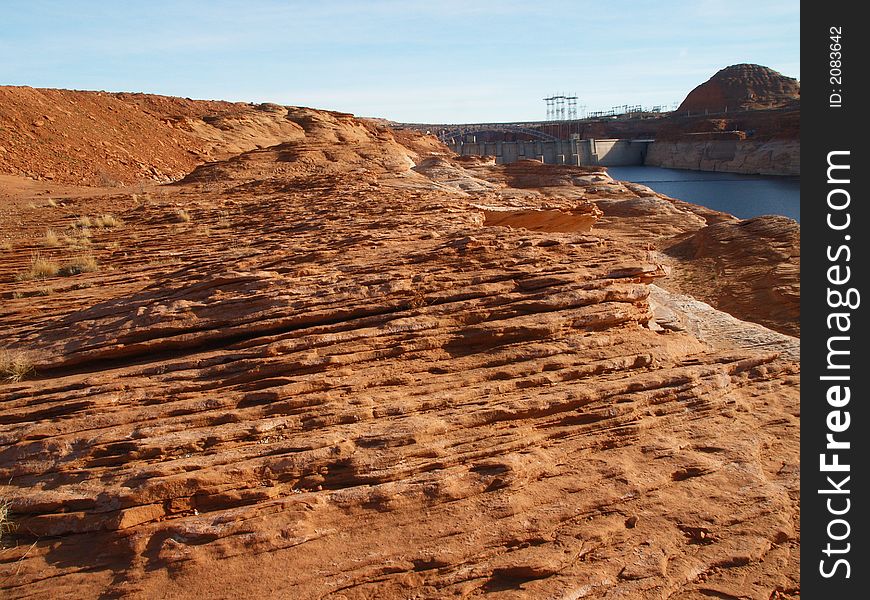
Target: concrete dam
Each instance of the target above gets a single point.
(576, 151)
(627, 140)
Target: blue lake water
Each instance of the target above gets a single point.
(744, 196)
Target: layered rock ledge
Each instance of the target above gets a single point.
(326, 369)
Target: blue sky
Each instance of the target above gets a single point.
(408, 60)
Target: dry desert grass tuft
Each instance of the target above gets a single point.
(51, 239)
(107, 221)
(83, 222)
(40, 268)
(15, 365)
(103, 221)
(86, 263)
(6, 524)
(44, 268)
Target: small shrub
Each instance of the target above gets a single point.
(6, 525)
(107, 221)
(6, 245)
(15, 365)
(40, 268)
(45, 290)
(52, 202)
(182, 216)
(51, 239)
(76, 242)
(85, 263)
(83, 222)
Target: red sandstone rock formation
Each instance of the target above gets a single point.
(742, 254)
(759, 133)
(742, 87)
(108, 139)
(315, 370)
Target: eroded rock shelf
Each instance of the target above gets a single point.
(325, 369)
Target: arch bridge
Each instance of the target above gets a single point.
(458, 131)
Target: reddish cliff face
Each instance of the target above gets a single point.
(742, 86)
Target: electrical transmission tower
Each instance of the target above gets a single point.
(550, 107)
(572, 107)
(561, 107)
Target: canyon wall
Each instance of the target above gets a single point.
(763, 157)
(753, 125)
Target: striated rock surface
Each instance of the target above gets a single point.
(763, 157)
(742, 87)
(757, 266)
(320, 369)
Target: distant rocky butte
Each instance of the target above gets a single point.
(759, 133)
(334, 360)
(742, 87)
